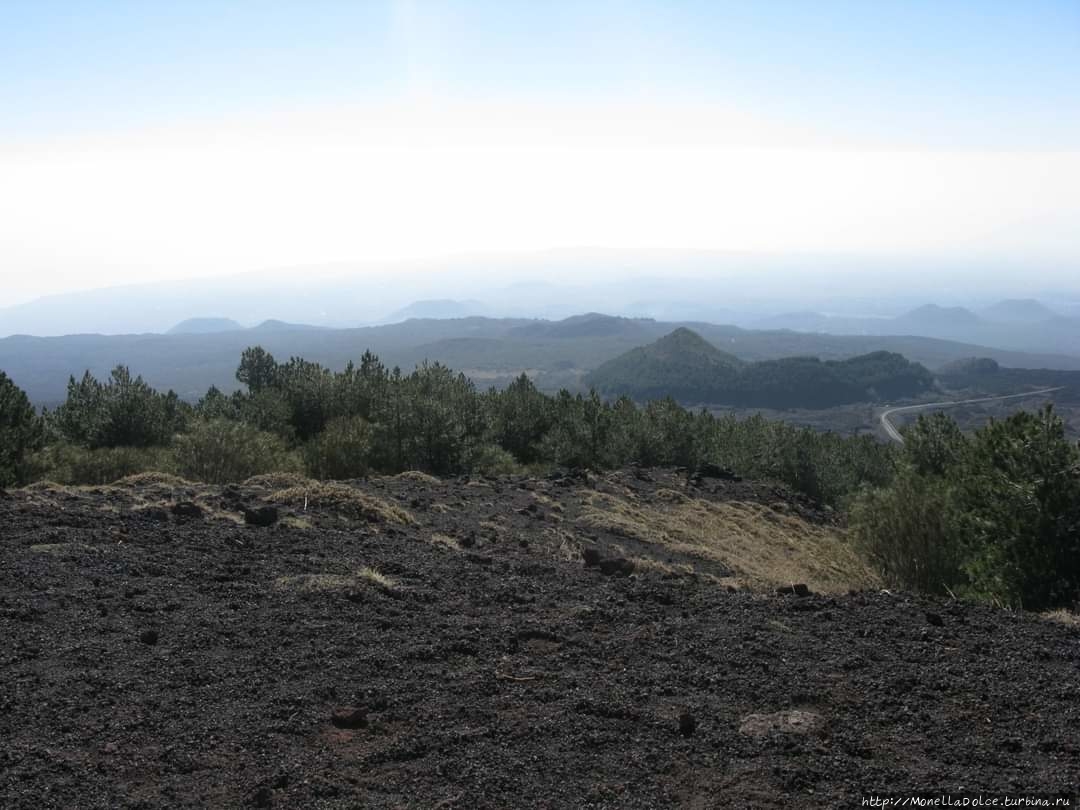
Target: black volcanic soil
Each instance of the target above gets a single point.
(150, 659)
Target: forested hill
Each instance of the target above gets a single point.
(686, 366)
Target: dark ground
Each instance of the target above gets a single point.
(150, 660)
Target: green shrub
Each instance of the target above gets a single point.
(490, 459)
(995, 516)
(70, 464)
(1020, 490)
(910, 533)
(221, 451)
(341, 451)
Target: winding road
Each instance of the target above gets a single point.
(894, 434)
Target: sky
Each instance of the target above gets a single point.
(151, 141)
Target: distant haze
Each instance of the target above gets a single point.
(759, 290)
(147, 142)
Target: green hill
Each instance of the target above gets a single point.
(682, 365)
(685, 366)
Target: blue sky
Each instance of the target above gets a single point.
(152, 140)
(987, 73)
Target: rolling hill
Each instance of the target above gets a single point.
(205, 326)
(687, 367)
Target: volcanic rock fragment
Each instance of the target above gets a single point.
(795, 721)
(187, 509)
(350, 717)
(687, 724)
(263, 516)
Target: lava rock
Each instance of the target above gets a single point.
(794, 721)
(617, 566)
(715, 471)
(187, 509)
(350, 717)
(687, 724)
(263, 516)
(799, 589)
(155, 514)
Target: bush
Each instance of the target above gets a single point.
(490, 459)
(341, 451)
(221, 452)
(1021, 496)
(994, 517)
(21, 432)
(910, 532)
(68, 464)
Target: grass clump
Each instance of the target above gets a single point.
(418, 477)
(337, 582)
(1063, 616)
(763, 547)
(376, 578)
(278, 480)
(446, 541)
(344, 500)
(150, 479)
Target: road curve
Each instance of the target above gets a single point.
(894, 434)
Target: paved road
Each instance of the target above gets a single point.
(894, 434)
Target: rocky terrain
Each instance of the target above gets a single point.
(634, 640)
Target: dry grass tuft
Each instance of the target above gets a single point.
(764, 548)
(673, 496)
(344, 500)
(376, 578)
(649, 565)
(1063, 616)
(551, 504)
(278, 480)
(47, 487)
(296, 522)
(160, 479)
(418, 477)
(336, 582)
(446, 541)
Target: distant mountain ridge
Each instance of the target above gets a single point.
(438, 308)
(492, 351)
(1024, 324)
(1016, 310)
(205, 326)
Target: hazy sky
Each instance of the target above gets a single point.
(165, 140)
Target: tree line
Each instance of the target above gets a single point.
(368, 418)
